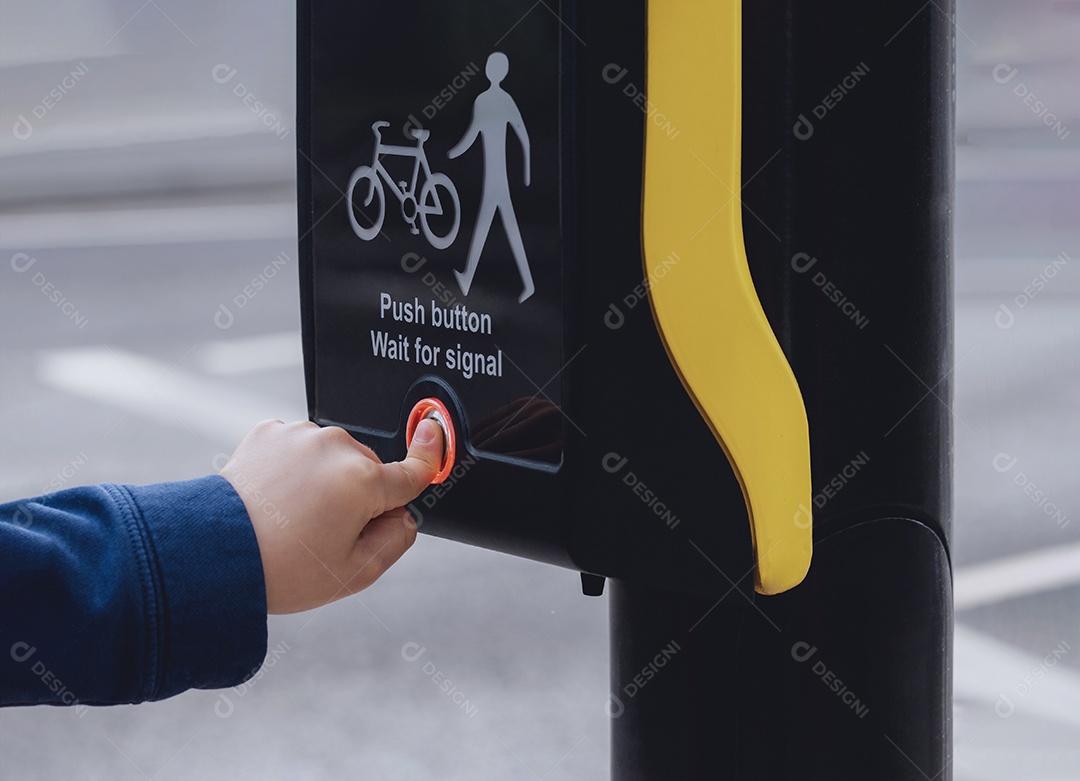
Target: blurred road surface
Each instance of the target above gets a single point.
(148, 317)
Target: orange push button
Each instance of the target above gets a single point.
(435, 410)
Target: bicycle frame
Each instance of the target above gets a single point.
(418, 198)
(397, 150)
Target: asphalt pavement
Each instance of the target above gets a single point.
(117, 363)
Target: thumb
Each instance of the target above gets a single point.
(406, 479)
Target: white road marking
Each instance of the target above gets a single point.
(250, 354)
(1016, 576)
(175, 225)
(183, 125)
(154, 390)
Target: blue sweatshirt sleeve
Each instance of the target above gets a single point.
(121, 594)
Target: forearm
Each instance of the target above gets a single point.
(117, 594)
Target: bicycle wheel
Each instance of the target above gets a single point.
(375, 191)
(442, 205)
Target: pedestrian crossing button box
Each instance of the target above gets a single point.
(494, 224)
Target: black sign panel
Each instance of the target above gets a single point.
(435, 189)
(416, 251)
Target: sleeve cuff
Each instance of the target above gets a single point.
(211, 631)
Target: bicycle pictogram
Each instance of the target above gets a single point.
(437, 196)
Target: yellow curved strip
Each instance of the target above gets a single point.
(705, 305)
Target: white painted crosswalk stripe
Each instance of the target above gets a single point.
(167, 394)
(1017, 576)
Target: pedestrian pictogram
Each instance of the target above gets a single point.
(493, 110)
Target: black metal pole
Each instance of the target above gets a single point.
(847, 133)
(847, 196)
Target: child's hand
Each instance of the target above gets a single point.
(327, 513)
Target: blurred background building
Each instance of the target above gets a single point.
(149, 316)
